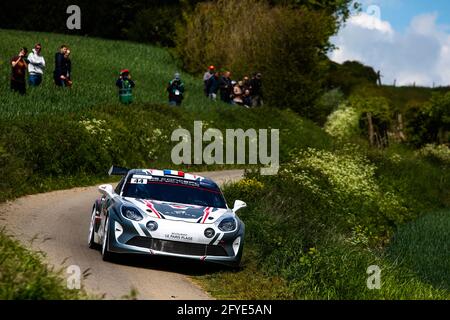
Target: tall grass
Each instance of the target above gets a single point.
(423, 246)
(313, 231)
(24, 275)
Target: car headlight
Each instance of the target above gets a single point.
(227, 224)
(152, 225)
(132, 213)
(209, 233)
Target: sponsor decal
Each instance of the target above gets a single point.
(176, 236)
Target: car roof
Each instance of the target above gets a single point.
(204, 182)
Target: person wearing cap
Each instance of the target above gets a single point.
(175, 89)
(36, 66)
(125, 85)
(212, 86)
(19, 67)
(208, 74)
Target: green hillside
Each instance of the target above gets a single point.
(96, 65)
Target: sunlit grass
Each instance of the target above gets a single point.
(424, 247)
(96, 64)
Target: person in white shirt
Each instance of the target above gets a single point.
(208, 74)
(36, 66)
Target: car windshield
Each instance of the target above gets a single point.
(174, 190)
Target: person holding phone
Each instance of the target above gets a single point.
(19, 67)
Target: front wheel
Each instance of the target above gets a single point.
(106, 255)
(91, 241)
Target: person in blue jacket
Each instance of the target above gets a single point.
(212, 86)
(59, 74)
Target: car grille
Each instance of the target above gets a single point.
(194, 249)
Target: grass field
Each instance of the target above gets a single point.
(420, 245)
(96, 65)
(312, 231)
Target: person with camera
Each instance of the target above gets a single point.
(175, 90)
(19, 67)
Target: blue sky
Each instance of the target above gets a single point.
(407, 40)
(400, 12)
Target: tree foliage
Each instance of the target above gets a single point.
(285, 43)
(430, 123)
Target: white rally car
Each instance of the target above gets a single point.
(166, 212)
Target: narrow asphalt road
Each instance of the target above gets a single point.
(57, 223)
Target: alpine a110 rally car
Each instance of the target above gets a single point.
(169, 213)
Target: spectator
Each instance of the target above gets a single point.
(67, 70)
(60, 66)
(237, 91)
(208, 74)
(212, 86)
(176, 90)
(246, 83)
(226, 88)
(256, 90)
(247, 98)
(125, 85)
(36, 66)
(19, 68)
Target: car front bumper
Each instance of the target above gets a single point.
(132, 237)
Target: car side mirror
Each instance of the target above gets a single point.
(238, 204)
(107, 190)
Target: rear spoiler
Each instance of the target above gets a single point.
(118, 171)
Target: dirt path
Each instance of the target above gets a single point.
(60, 221)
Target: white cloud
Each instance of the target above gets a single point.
(419, 55)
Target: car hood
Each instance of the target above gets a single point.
(178, 211)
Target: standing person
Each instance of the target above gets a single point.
(60, 66)
(19, 69)
(256, 90)
(67, 70)
(212, 86)
(226, 88)
(175, 90)
(125, 85)
(36, 66)
(208, 74)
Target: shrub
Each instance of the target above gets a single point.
(343, 123)
(436, 153)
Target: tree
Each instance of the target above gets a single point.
(438, 112)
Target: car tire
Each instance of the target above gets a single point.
(106, 255)
(91, 241)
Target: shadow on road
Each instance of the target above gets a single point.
(170, 264)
